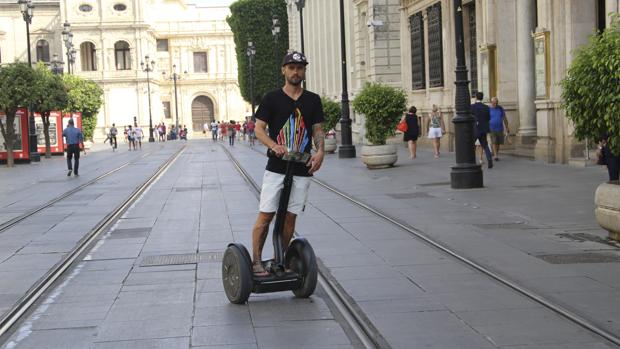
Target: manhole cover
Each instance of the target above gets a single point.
(129, 233)
(512, 225)
(578, 258)
(178, 259)
(415, 195)
(433, 184)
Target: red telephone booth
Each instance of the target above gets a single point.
(77, 122)
(55, 132)
(20, 146)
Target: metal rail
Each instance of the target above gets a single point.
(14, 314)
(368, 336)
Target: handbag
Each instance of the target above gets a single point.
(402, 126)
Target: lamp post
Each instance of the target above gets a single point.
(67, 37)
(26, 7)
(346, 149)
(174, 77)
(275, 31)
(56, 65)
(148, 67)
(466, 174)
(251, 52)
(300, 7)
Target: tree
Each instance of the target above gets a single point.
(17, 81)
(50, 95)
(251, 20)
(591, 88)
(84, 96)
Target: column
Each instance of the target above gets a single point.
(610, 6)
(526, 10)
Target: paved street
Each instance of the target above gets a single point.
(125, 294)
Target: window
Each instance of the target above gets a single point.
(88, 57)
(473, 46)
(120, 7)
(121, 55)
(85, 8)
(162, 45)
(200, 62)
(435, 48)
(43, 51)
(418, 75)
(166, 109)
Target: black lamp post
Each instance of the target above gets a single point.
(26, 7)
(67, 37)
(148, 67)
(346, 149)
(174, 77)
(251, 52)
(275, 31)
(56, 65)
(466, 174)
(300, 7)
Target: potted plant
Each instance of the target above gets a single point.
(382, 106)
(332, 113)
(590, 92)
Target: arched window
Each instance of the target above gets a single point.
(43, 51)
(88, 57)
(121, 54)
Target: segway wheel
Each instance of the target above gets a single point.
(236, 275)
(301, 259)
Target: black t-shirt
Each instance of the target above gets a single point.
(290, 124)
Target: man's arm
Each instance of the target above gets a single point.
(260, 130)
(318, 136)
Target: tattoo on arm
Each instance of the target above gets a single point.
(318, 136)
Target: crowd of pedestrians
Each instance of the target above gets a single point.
(231, 130)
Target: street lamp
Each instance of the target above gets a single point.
(56, 65)
(466, 174)
(300, 7)
(251, 52)
(275, 31)
(346, 149)
(26, 7)
(148, 67)
(67, 37)
(174, 77)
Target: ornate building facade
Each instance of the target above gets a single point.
(113, 37)
(517, 51)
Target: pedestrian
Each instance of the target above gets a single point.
(125, 134)
(290, 107)
(498, 125)
(481, 128)
(185, 132)
(436, 129)
(131, 138)
(206, 127)
(224, 130)
(244, 128)
(251, 135)
(232, 131)
(74, 139)
(413, 131)
(214, 130)
(607, 157)
(220, 125)
(138, 136)
(112, 136)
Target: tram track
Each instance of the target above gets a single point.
(13, 221)
(47, 281)
(365, 332)
(416, 233)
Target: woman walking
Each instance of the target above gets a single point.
(413, 131)
(436, 129)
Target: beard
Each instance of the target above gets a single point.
(295, 81)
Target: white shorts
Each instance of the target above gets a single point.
(434, 132)
(272, 187)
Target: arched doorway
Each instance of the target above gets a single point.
(202, 111)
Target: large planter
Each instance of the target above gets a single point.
(379, 156)
(330, 145)
(607, 211)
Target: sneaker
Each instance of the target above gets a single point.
(76, 174)
(69, 173)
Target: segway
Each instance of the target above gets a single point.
(294, 269)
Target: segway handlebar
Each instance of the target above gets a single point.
(292, 156)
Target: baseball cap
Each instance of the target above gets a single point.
(294, 57)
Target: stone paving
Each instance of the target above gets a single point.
(414, 295)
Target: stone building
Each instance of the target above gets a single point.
(516, 50)
(112, 39)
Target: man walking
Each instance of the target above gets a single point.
(482, 115)
(498, 125)
(113, 133)
(73, 138)
(138, 137)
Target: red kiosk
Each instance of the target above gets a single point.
(55, 132)
(20, 147)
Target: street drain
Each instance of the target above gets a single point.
(580, 258)
(178, 259)
(416, 195)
